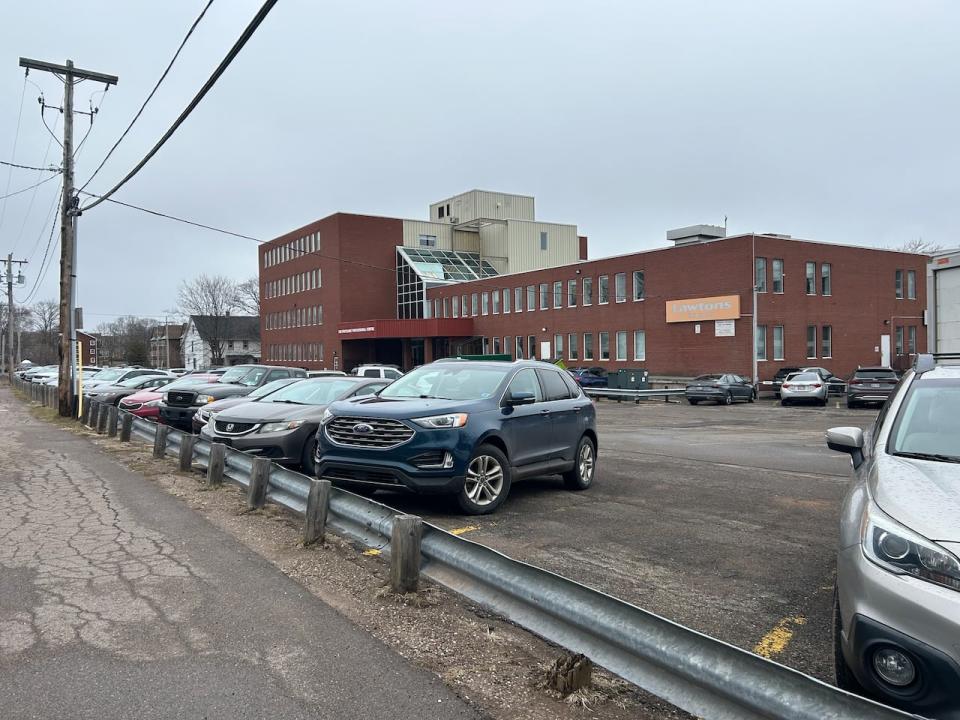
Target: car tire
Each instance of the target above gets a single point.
(580, 477)
(487, 481)
(844, 677)
(784, 402)
(823, 403)
(753, 396)
(728, 400)
(851, 403)
(307, 460)
(692, 401)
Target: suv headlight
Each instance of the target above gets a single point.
(280, 426)
(151, 403)
(902, 551)
(435, 422)
(326, 417)
(204, 399)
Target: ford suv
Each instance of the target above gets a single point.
(465, 428)
(897, 599)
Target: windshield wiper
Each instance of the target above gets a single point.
(929, 456)
(289, 402)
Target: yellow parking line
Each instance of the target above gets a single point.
(462, 530)
(776, 641)
(371, 552)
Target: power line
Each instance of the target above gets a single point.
(33, 197)
(42, 272)
(13, 155)
(150, 96)
(18, 192)
(51, 168)
(221, 68)
(50, 215)
(43, 118)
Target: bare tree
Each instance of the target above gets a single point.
(213, 296)
(127, 339)
(248, 296)
(921, 247)
(45, 325)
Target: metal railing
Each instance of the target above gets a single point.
(620, 395)
(700, 674)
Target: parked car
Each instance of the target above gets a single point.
(778, 379)
(897, 597)
(588, 378)
(210, 410)
(179, 406)
(283, 425)
(464, 428)
(146, 403)
(112, 394)
(835, 385)
(111, 376)
(804, 387)
(53, 378)
(389, 372)
(720, 388)
(325, 373)
(870, 385)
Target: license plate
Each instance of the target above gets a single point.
(874, 385)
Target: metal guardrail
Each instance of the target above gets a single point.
(702, 675)
(635, 395)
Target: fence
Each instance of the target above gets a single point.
(695, 672)
(635, 395)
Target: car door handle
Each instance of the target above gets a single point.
(576, 409)
(544, 412)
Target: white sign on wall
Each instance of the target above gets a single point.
(545, 350)
(724, 328)
(696, 329)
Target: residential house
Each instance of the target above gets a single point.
(212, 340)
(166, 350)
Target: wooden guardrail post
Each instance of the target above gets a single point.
(85, 414)
(186, 452)
(218, 454)
(405, 553)
(94, 411)
(102, 418)
(160, 441)
(318, 500)
(259, 478)
(126, 427)
(113, 416)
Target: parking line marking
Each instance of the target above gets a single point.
(776, 641)
(461, 530)
(371, 552)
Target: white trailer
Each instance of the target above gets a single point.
(943, 303)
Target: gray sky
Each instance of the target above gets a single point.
(829, 121)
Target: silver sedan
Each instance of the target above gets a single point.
(803, 387)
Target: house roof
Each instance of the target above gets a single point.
(231, 327)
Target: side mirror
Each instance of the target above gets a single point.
(847, 440)
(521, 398)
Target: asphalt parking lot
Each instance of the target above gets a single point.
(721, 518)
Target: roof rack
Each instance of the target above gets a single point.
(928, 361)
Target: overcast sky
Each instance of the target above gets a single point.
(834, 121)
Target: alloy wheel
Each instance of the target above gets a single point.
(587, 463)
(484, 481)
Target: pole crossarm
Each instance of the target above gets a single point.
(76, 72)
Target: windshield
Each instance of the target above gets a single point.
(234, 374)
(270, 387)
(707, 378)
(252, 378)
(459, 382)
(928, 425)
(804, 377)
(131, 382)
(321, 391)
(114, 374)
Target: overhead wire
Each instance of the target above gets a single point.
(42, 272)
(13, 155)
(51, 213)
(152, 93)
(44, 119)
(50, 168)
(26, 189)
(33, 197)
(211, 81)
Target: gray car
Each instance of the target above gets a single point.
(283, 425)
(897, 598)
(720, 388)
(805, 387)
(113, 393)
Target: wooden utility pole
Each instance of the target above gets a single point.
(10, 314)
(70, 76)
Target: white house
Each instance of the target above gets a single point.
(236, 336)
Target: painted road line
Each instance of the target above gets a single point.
(776, 641)
(371, 552)
(461, 530)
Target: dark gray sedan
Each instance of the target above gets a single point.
(722, 388)
(283, 425)
(113, 394)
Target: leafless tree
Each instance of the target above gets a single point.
(214, 296)
(920, 246)
(126, 339)
(248, 296)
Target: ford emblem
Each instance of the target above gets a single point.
(230, 427)
(363, 429)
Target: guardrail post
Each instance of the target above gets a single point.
(102, 418)
(126, 427)
(160, 441)
(318, 501)
(259, 477)
(218, 454)
(405, 553)
(186, 452)
(94, 411)
(113, 415)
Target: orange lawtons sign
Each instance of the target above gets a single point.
(722, 307)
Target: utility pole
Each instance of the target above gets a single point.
(70, 76)
(10, 314)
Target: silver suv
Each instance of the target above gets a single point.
(897, 598)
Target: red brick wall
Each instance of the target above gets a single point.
(582, 239)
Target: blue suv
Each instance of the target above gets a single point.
(463, 428)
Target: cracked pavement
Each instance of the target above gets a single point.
(116, 600)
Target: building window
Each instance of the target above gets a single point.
(506, 300)
(485, 303)
(639, 345)
(572, 349)
(604, 346)
(557, 346)
(826, 282)
(826, 341)
(911, 284)
(496, 345)
(588, 346)
(440, 213)
(230, 342)
(588, 291)
(558, 295)
(620, 287)
(899, 342)
(811, 278)
(532, 347)
(621, 345)
(777, 275)
(898, 283)
(484, 346)
(760, 274)
(474, 301)
(446, 307)
(638, 285)
(456, 306)
(571, 293)
(543, 240)
(464, 311)
(531, 298)
(436, 307)
(811, 342)
(496, 302)
(778, 342)
(912, 339)
(544, 296)
(604, 292)
(761, 342)
(518, 347)
(518, 299)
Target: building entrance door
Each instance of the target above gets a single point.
(885, 350)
